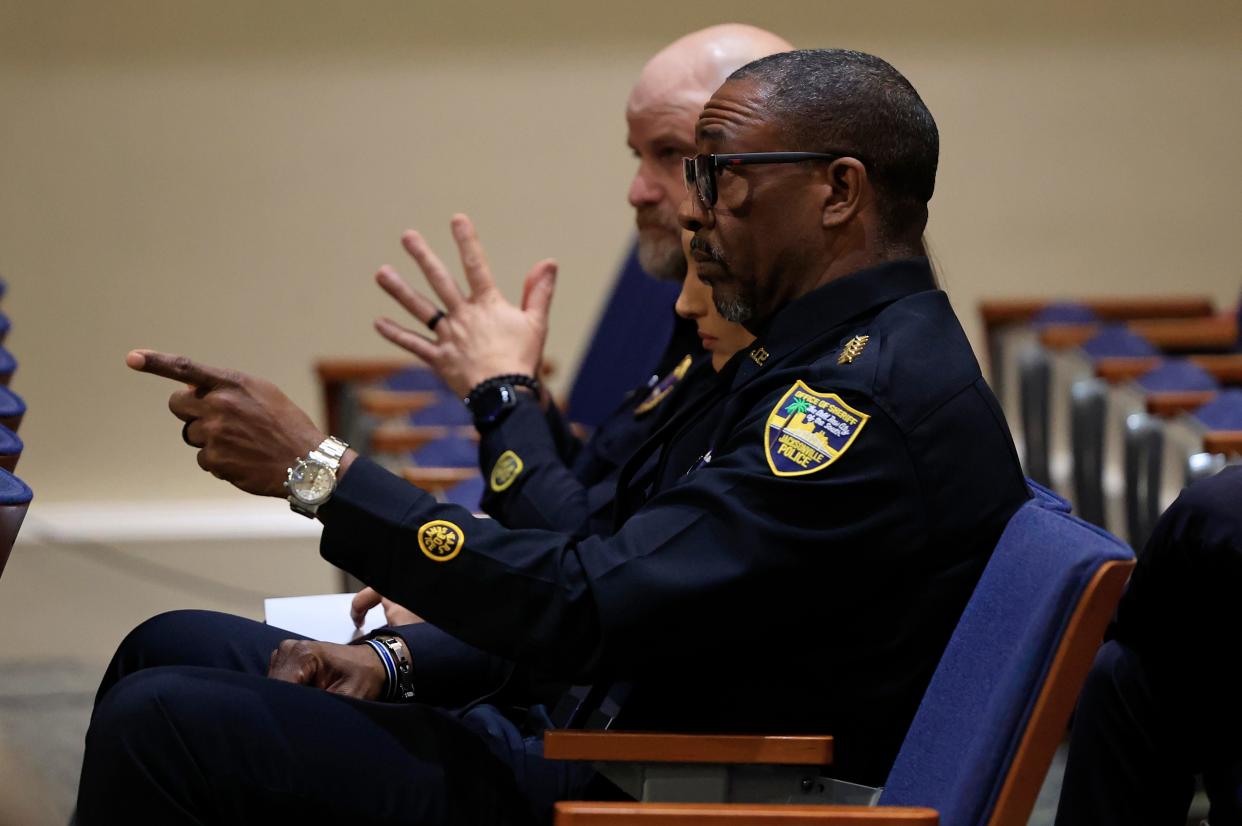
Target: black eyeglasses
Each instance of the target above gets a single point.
(700, 170)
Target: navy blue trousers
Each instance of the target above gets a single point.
(1161, 703)
(187, 728)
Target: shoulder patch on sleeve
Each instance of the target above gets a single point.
(440, 540)
(808, 431)
(506, 469)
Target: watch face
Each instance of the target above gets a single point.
(311, 482)
(493, 402)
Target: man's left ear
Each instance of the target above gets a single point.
(846, 192)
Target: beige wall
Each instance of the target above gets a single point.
(223, 178)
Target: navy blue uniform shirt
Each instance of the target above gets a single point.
(537, 474)
(797, 559)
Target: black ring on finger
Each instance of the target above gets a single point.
(435, 319)
(185, 432)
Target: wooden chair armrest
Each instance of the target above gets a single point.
(1012, 310)
(574, 813)
(1190, 334)
(1224, 367)
(436, 480)
(1117, 369)
(331, 370)
(388, 404)
(1064, 336)
(1174, 402)
(1223, 441)
(660, 747)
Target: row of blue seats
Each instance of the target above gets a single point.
(15, 495)
(1086, 408)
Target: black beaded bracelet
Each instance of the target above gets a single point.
(512, 379)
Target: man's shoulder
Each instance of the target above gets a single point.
(908, 360)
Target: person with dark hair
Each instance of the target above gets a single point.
(1160, 704)
(792, 552)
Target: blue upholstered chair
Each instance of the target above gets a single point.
(12, 408)
(8, 366)
(1164, 456)
(15, 498)
(984, 735)
(466, 494)
(414, 378)
(10, 449)
(450, 451)
(632, 331)
(1097, 443)
(1045, 435)
(447, 409)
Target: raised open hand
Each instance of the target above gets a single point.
(479, 335)
(247, 431)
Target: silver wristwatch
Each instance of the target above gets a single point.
(313, 479)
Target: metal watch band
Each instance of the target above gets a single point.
(328, 454)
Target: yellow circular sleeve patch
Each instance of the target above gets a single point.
(506, 469)
(440, 540)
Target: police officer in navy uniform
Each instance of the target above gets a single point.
(795, 562)
(1160, 704)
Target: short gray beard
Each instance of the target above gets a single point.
(662, 258)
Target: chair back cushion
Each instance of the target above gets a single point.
(1223, 412)
(14, 500)
(10, 442)
(1177, 374)
(1117, 340)
(963, 738)
(450, 451)
(632, 332)
(1064, 312)
(446, 410)
(415, 379)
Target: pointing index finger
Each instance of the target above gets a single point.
(177, 368)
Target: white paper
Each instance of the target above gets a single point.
(321, 617)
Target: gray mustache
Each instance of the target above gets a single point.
(699, 245)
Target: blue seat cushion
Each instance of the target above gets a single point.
(1222, 413)
(1177, 374)
(631, 334)
(10, 442)
(1117, 340)
(466, 494)
(415, 379)
(11, 404)
(451, 451)
(1064, 312)
(968, 726)
(447, 410)
(13, 491)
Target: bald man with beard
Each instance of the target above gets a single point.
(445, 758)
